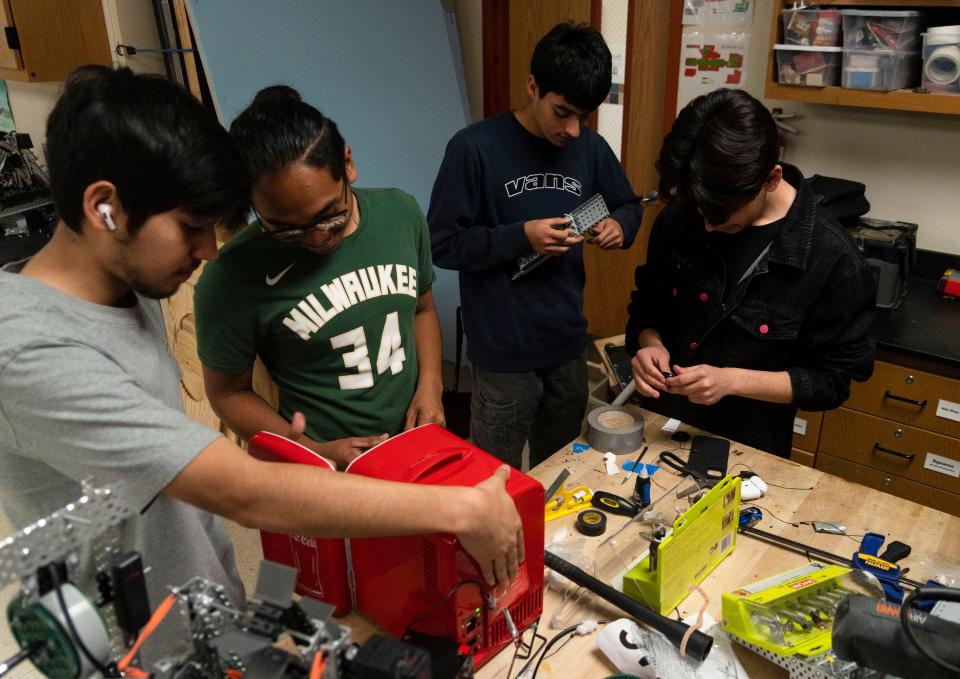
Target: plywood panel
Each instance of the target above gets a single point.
(182, 338)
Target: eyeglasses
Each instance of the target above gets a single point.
(295, 234)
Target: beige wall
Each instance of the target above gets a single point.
(909, 161)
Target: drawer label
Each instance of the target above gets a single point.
(799, 426)
(943, 465)
(948, 409)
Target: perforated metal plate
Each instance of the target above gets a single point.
(584, 217)
(86, 521)
(823, 666)
(588, 215)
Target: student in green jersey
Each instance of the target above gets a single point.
(330, 287)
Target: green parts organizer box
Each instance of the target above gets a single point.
(702, 536)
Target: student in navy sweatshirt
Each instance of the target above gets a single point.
(501, 193)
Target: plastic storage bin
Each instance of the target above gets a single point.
(877, 29)
(880, 69)
(941, 59)
(819, 27)
(808, 65)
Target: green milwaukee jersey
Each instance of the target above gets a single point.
(336, 332)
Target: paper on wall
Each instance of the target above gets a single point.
(710, 61)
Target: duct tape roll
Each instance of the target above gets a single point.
(614, 429)
(942, 67)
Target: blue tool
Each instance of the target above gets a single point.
(883, 566)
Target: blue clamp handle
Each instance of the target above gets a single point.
(887, 573)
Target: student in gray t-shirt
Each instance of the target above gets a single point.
(141, 174)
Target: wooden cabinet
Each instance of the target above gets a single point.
(806, 437)
(944, 12)
(898, 433)
(46, 39)
(909, 396)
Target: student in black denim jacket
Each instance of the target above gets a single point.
(754, 301)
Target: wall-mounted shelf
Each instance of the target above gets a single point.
(898, 100)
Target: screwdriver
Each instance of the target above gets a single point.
(614, 504)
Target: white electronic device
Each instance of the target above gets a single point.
(752, 488)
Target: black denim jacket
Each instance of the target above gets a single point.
(806, 308)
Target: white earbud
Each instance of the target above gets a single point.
(106, 211)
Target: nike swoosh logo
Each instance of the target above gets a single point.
(276, 279)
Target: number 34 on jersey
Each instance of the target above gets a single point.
(390, 355)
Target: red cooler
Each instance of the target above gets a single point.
(320, 562)
(428, 583)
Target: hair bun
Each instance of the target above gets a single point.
(276, 94)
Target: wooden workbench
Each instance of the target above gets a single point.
(823, 497)
(934, 536)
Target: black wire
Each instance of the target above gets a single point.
(797, 524)
(435, 607)
(546, 647)
(544, 652)
(100, 667)
(936, 593)
(516, 650)
(530, 652)
(775, 485)
(558, 648)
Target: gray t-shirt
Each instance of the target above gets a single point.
(91, 392)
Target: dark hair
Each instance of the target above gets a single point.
(157, 144)
(279, 128)
(573, 61)
(719, 152)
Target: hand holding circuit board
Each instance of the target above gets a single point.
(592, 217)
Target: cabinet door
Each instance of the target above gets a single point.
(892, 448)
(806, 431)
(890, 483)
(802, 457)
(909, 396)
(57, 36)
(9, 58)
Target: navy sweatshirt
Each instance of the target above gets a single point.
(495, 176)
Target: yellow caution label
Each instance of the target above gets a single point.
(875, 562)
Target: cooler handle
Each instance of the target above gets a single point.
(441, 458)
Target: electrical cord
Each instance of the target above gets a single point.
(549, 644)
(99, 666)
(530, 653)
(544, 652)
(775, 485)
(797, 524)
(437, 606)
(939, 594)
